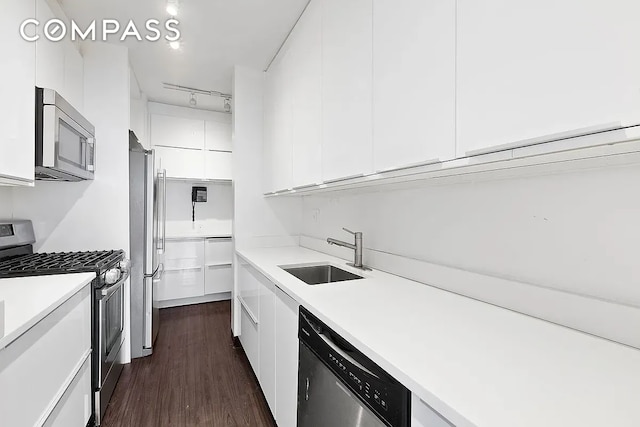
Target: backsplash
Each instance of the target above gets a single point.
(219, 204)
(572, 232)
(6, 203)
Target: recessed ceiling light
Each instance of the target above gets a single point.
(172, 8)
(175, 45)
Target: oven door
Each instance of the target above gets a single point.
(110, 307)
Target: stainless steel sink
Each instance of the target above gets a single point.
(318, 274)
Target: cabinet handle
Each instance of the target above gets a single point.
(246, 308)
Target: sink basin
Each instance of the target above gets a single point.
(318, 274)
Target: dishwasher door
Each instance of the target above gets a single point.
(324, 401)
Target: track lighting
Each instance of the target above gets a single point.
(192, 100)
(227, 105)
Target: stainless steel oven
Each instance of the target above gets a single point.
(109, 337)
(65, 140)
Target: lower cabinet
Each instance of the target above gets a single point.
(196, 270)
(269, 336)
(45, 375)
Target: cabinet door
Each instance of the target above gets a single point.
(217, 135)
(538, 68)
(278, 125)
(346, 88)
(250, 338)
(17, 86)
(268, 342)
(74, 407)
(218, 251)
(50, 56)
(181, 163)
(413, 82)
(217, 279)
(306, 96)
(187, 282)
(249, 291)
(286, 359)
(217, 165)
(171, 131)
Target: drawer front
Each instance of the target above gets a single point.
(35, 368)
(184, 249)
(250, 339)
(218, 251)
(177, 284)
(249, 289)
(74, 408)
(218, 278)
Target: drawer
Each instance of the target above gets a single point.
(177, 284)
(218, 251)
(249, 289)
(74, 408)
(35, 368)
(218, 278)
(184, 249)
(250, 338)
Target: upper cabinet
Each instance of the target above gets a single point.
(191, 144)
(346, 88)
(59, 65)
(180, 132)
(18, 90)
(413, 82)
(536, 69)
(305, 54)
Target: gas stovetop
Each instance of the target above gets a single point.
(59, 263)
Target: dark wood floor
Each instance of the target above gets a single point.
(195, 376)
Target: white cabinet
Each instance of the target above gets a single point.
(346, 88)
(59, 65)
(180, 163)
(423, 416)
(269, 336)
(278, 118)
(171, 131)
(413, 82)
(217, 165)
(218, 279)
(217, 135)
(267, 333)
(286, 359)
(63, 389)
(17, 155)
(305, 53)
(195, 268)
(535, 69)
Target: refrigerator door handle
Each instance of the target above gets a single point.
(162, 212)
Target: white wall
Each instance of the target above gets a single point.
(6, 203)
(577, 232)
(258, 221)
(218, 207)
(139, 111)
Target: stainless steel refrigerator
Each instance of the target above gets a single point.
(147, 219)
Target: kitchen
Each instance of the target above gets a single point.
(320, 213)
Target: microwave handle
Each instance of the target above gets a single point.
(91, 154)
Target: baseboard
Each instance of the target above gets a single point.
(223, 296)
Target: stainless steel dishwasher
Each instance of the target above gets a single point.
(338, 386)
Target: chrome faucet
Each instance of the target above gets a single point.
(357, 247)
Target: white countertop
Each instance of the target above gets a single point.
(27, 300)
(477, 364)
(199, 229)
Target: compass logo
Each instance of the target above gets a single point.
(56, 30)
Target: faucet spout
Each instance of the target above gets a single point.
(337, 242)
(356, 247)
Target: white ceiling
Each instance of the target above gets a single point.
(216, 35)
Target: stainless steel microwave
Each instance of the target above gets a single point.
(65, 140)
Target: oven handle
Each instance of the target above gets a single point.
(108, 291)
